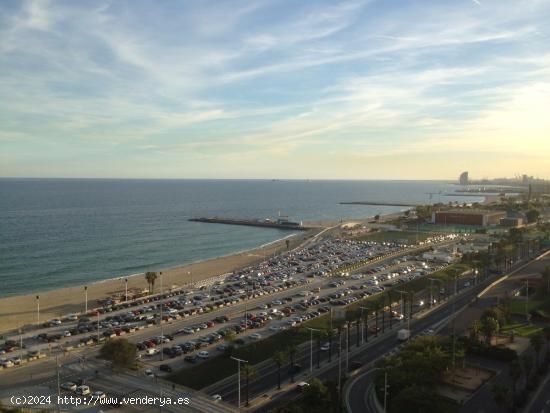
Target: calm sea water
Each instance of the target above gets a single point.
(57, 233)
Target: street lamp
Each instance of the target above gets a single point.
(126, 289)
(363, 323)
(239, 361)
(38, 310)
(161, 325)
(432, 290)
(86, 299)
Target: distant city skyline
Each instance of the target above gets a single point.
(360, 89)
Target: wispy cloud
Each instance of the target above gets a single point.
(271, 81)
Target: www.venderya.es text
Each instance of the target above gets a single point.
(94, 400)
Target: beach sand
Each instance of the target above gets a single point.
(21, 310)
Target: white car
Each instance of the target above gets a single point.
(216, 397)
(274, 328)
(325, 347)
(255, 336)
(203, 354)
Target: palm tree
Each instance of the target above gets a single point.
(515, 374)
(383, 307)
(279, 359)
(490, 327)
(329, 334)
(499, 395)
(389, 302)
(376, 310)
(249, 373)
(291, 350)
(475, 329)
(151, 277)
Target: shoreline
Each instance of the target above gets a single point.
(19, 311)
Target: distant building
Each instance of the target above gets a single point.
(463, 179)
(513, 222)
(513, 219)
(468, 217)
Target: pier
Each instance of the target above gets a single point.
(378, 203)
(266, 223)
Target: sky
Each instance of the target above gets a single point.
(358, 89)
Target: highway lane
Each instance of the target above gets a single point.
(540, 402)
(368, 353)
(358, 396)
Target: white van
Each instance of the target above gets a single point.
(82, 390)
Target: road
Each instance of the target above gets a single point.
(541, 400)
(482, 401)
(363, 355)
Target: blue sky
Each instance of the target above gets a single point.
(275, 89)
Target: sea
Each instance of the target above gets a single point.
(63, 232)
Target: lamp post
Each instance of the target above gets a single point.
(363, 323)
(126, 289)
(86, 299)
(432, 291)
(239, 361)
(38, 310)
(21, 338)
(161, 324)
(311, 330)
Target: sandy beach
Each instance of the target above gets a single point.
(21, 310)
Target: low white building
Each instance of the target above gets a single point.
(441, 256)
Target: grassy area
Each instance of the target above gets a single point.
(213, 370)
(392, 236)
(521, 329)
(517, 306)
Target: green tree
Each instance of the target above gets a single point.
(279, 359)
(415, 399)
(151, 277)
(499, 395)
(532, 215)
(475, 329)
(229, 336)
(490, 327)
(249, 373)
(291, 351)
(329, 334)
(119, 352)
(315, 394)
